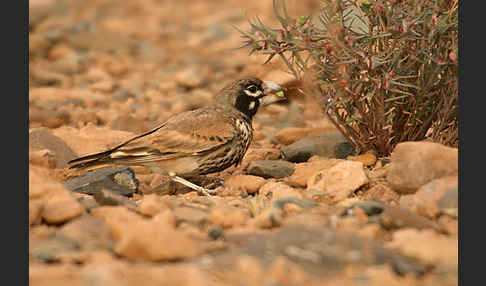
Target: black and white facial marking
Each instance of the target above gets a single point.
(248, 99)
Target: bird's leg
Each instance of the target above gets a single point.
(186, 183)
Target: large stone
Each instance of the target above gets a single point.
(49, 197)
(426, 245)
(256, 154)
(277, 190)
(250, 184)
(319, 250)
(61, 206)
(289, 135)
(120, 180)
(426, 201)
(304, 170)
(91, 139)
(414, 164)
(328, 144)
(271, 168)
(152, 239)
(41, 139)
(339, 181)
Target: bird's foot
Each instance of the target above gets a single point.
(199, 189)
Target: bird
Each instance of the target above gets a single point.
(206, 140)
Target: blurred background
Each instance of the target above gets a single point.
(133, 63)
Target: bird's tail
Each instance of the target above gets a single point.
(90, 160)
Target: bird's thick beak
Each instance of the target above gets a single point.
(272, 92)
(270, 87)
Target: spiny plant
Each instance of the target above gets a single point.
(384, 71)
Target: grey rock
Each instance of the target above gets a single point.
(42, 139)
(320, 251)
(120, 180)
(369, 207)
(270, 168)
(328, 144)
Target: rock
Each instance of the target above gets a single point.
(319, 250)
(339, 181)
(228, 216)
(55, 203)
(120, 180)
(413, 164)
(87, 201)
(270, 168)
(269, 218)
(60, 206)
(35, 211)
(152, 204)
(118, 218)
(41, 139)
(43, 158)
(449, 224)
(303, 171)
(277, 190)
(215, 232)
(90, 139)
(256, 154)
(192, 215)
(426, 245)
(108, 198)
(48, 250)
(426, 201)
(41, 183)
(367, 159)
(449, 203)
(394, 217)
(381, 192)
(329, 144)
(89, 232)
(370, 208)
(155, 240)
(248, 183)
(289, 135)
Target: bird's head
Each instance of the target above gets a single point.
(246, 95)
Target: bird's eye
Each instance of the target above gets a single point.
(252, 89)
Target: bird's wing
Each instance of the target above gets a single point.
(189, 133)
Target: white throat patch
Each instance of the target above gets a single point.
(252, 105)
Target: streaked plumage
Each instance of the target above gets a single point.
(197, 142)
